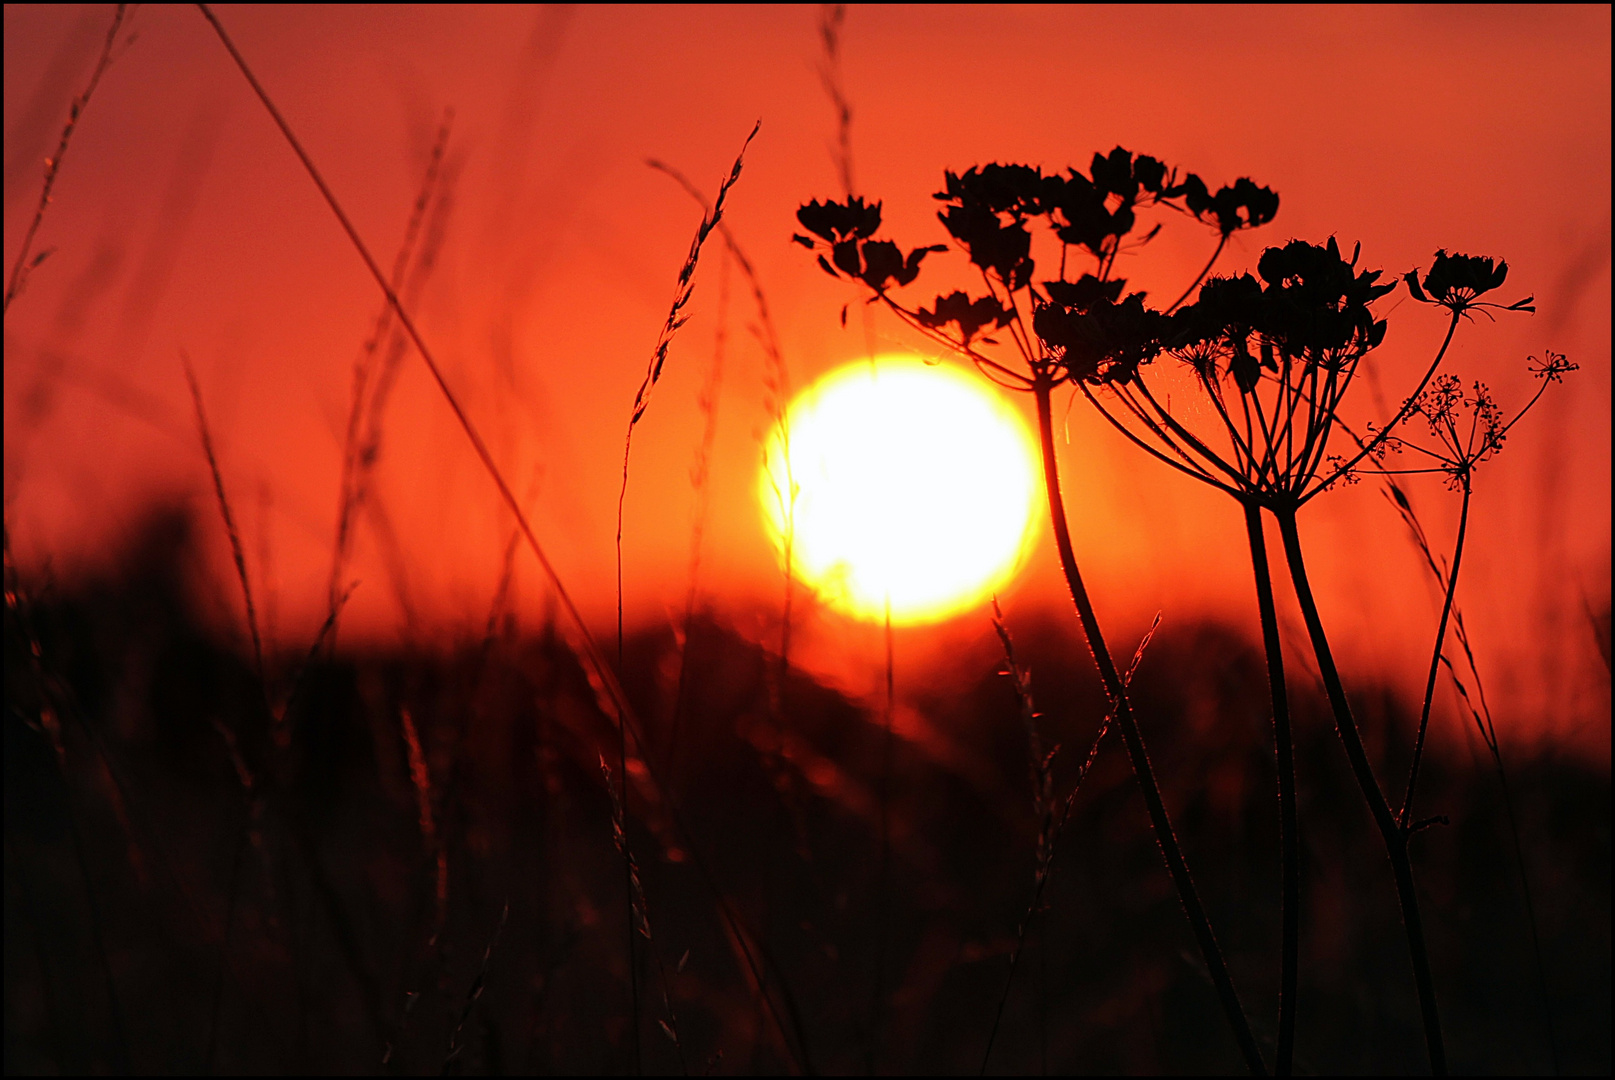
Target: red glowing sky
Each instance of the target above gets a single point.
(181, 221)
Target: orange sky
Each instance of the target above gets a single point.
(182, 221)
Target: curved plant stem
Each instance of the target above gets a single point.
(1435, 661)
(1222, 242)
(1284, 747)
(1042, 388)
(1390, 829)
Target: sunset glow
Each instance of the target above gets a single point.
(601, 539)
(914, 483)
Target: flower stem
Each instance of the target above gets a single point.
(1435, 660)
(1390, 829)
(1222, 241)
(1284, 747)
(1115, 689)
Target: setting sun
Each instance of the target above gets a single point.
(915, 484)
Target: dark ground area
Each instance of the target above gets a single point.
(193, 885)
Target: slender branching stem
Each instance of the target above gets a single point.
(1117, 692)
(1187, 467)
(1284, 747)
(1390, 829)
(1435, 660)
(1189, 438)
(1401, 414)
(1222, 242)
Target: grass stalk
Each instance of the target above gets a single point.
(303, 846)
(451, 1058)
(1050, 825)
(777, 393)
(355, 466)
(700, 477)
(676, 318)
(23, 266)
(51, 727)
(420, 777)
(602, 677)
(1488, 734)
(640, 912)
(1395, 838)
(831, 19)
(1116, 691)
(236, 548)
(1284, 748)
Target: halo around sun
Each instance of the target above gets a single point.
(916, 485)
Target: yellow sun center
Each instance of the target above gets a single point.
(915, 485)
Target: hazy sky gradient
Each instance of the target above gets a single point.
(182, 221)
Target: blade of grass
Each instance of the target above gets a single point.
(777, 393)
(236, 548)
(50, 726)
(22, 267)
(831, 18)
(700, 474)
(608, 690)
(353, 466)
(473, 995)
(1051, 827)
(1488, 735)
(676, 318)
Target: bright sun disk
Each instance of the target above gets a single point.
(914, 482)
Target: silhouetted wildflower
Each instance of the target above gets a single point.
(970, 316)
(1456, 282)
(846, 229)
(1105, 342)
(1085, 332)
(1469, 427)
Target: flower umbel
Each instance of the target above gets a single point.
(1456, 282)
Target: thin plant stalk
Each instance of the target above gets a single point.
(1435, 660)
(776, 385)
(676, 318)
(1165, 838)
(1045, 865)
(22, 266)
(473, 995)
(1390, 828)
(1284, 750)
(700, 475)
(831, 18)
(1050, 827)
(236, 549)
(1489, 737)
(353, 469)
(603, 679)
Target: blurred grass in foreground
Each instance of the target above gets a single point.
(138, 857)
